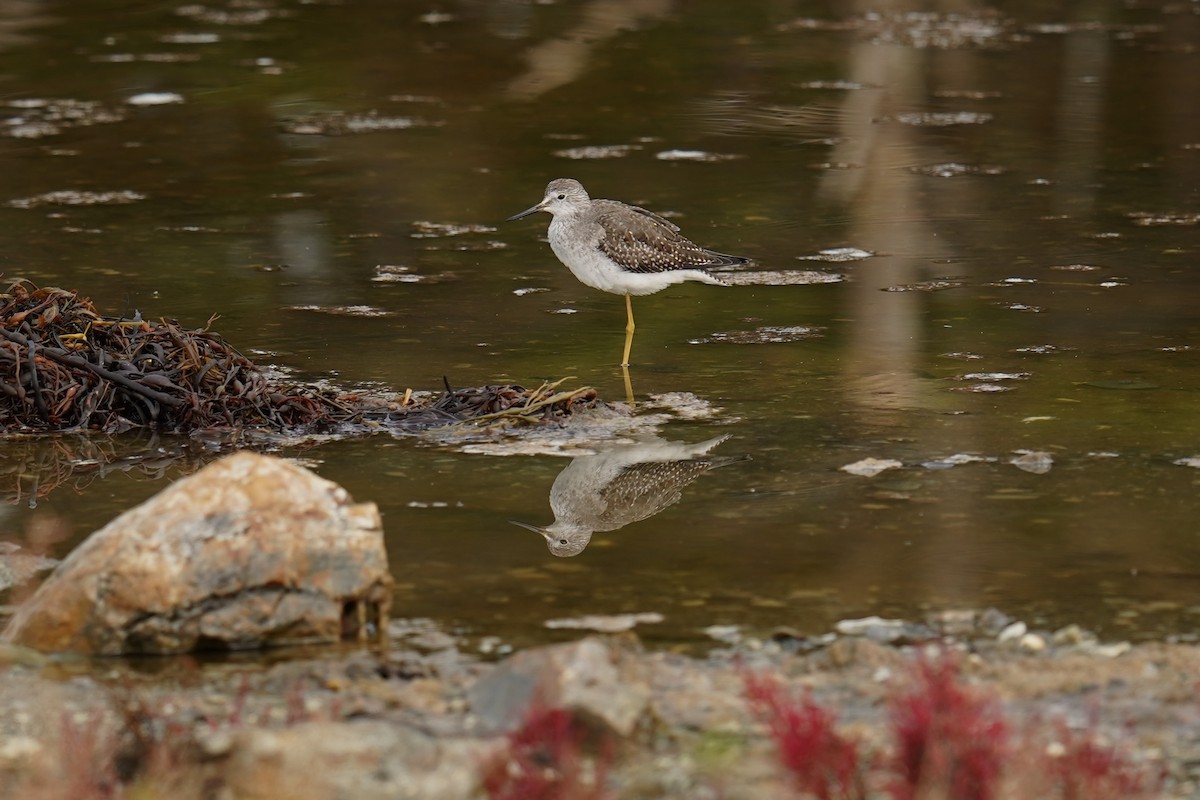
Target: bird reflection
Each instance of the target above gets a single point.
(624, 484)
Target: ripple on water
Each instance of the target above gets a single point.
(1042, 349)
(251, 15)
(940, 119)
(593, 152)
(982, 388)
(403, 273)
(769, 334)
(37, 117)
(1148, 219)
(937, 285)
(922, 29)
(71, 197)
(953, 169)
(838, 254)
(695, 155)
(184, 37)
(341, 123)
(434, 230)
(1075, 267)
(993, 376)
(344, 311)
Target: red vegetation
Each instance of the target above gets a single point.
(87, 770)
(949, 742)
(545, 760)
(1080, 768)
(819, 760)
(948, 738)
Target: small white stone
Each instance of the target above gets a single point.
(155, 99)
(19, 748)
(869, 467)
(1032, 643)
(1112, 650)
(1014, 631)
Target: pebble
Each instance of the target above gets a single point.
(1032, 643)
(869, 467)
(1013, 631)
(1073, 636)
(1112, 650)
(729, 634)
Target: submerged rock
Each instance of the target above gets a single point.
(17, 567)
(250, 551)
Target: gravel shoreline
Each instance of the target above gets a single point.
(428, 718)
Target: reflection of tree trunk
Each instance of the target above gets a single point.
(1180, 121)
(891, 214)
(1079, 116)
(888, 218)
(17, 17)
(559, 61)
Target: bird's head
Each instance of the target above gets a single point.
(563, 196)
(561, 542)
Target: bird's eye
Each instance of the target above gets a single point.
(562, 541)
(562, 197)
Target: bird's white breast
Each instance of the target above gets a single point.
(576, 245)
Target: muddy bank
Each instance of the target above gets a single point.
(601, 717)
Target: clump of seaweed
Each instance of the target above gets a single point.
(64, 367)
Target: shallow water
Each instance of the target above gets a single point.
(1023, 181)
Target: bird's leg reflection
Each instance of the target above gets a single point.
(621, 485)
(628, 386)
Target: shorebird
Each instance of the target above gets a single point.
(621, 485)
(620, 248)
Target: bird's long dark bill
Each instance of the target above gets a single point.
(545, 533)
(525, 213)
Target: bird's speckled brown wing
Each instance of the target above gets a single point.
(644, 242)
(643, 489)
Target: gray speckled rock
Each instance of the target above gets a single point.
(250, 551)
(596, 677)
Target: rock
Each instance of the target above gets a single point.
(726, 634)
(1032, 643)
(890, 631)
(1012, 632)
(1036, 461)
(365, 760)
(959, 622)
(992, 621)
(606, 623)
(250, 551)
(1111, 650)
(850, 653)
(592, 677)
(870, 467)
(1074, 636)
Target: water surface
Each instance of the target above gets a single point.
(1024, 177)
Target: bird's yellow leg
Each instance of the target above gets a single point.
(628, 386)
(628, 331)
